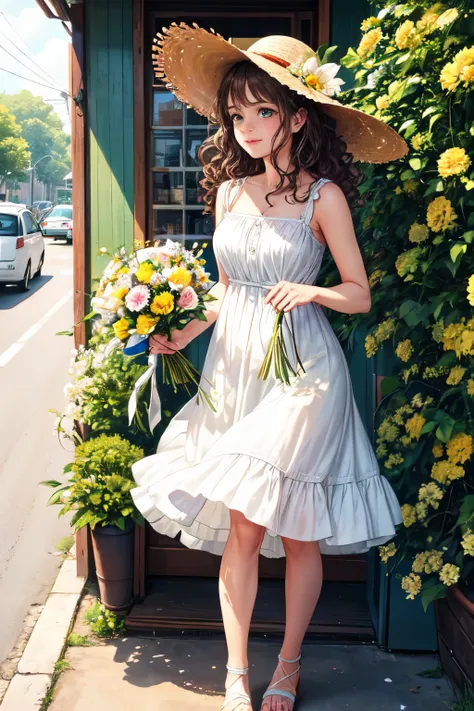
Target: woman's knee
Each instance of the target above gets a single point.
(246, 534)
(294, 548)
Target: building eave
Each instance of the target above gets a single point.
(60, 7)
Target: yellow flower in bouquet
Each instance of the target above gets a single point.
(406, 36)
(418, 233)
(145, 323)
(437, 451)
(369, 23)
(180, 276)
(145, 272)
(162, 304)
(121, 329)
(120, 292)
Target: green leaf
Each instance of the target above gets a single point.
(389, 385)
(430, 110)
(435, 592)
(433, 120)
(64, 333)
(415, 163)
(456, 250)
(468, 236)
(412, 312)
(435, 673)
(351, 59)
(466, 511)
(445, 430)
(406, 124)
(88, 316)
(428, 427)
(51, 482)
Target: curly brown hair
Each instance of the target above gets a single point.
(316, 148)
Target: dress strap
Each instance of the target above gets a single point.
(313, 195)
(232, 192)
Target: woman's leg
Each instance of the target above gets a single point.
(303, 581)
(238, 580)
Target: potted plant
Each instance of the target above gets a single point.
(98, 491)
(414, 69)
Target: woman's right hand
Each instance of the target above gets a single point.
(159, 343)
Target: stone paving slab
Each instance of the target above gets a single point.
(25, 691)
(169, 674)
(48, 637)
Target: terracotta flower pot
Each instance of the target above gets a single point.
(113, 556)
(455, 623)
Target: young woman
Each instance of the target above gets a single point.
(278, 469)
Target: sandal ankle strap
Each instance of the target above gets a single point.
(237, 670)
(289, 661)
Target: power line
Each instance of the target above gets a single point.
(24, 65)
(30, 56)
(48, 86)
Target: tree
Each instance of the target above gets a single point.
(14, 153)
(43, 130)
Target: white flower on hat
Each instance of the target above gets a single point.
(310, 66)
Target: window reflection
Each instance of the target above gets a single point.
(167, 110)
(167, 149)
(168, 188)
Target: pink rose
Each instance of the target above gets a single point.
(188, 299)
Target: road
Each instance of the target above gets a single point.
(33, 372)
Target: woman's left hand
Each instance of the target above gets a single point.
(285, 295)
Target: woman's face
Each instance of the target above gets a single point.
(256, 125)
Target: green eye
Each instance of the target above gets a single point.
(269, 112)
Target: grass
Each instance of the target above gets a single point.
(79, 640)
(465, 701)
(65, 544)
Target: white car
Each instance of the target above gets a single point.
(58, 222)
(21, 246)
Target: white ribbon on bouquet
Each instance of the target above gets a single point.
(154, 410)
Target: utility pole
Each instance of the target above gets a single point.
(32, 176)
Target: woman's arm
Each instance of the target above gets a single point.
(179, 339)
(333, 218)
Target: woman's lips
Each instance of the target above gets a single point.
(254, 141)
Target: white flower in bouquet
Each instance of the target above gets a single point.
(156, 278)
(137, 298)
(124, 280)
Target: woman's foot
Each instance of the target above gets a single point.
(237, 697)
(285, 678)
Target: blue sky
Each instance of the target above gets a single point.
(38, 43)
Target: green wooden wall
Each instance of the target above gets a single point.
(109, 101)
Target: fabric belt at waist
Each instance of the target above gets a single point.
(250, 283)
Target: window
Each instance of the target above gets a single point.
(61, 212)
(177, 132)
(36, 226)
(9, 225)
(28, 222)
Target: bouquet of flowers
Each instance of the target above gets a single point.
(155, 291)
(278, 355)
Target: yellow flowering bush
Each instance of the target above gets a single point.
(414, 68)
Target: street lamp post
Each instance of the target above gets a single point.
(32, 176)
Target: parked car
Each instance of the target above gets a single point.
(58, 223)
(21, 246)
(39, 206)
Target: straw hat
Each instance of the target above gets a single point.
(193, 62)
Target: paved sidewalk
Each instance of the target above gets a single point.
(170, 674)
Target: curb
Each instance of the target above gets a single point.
(31, 682)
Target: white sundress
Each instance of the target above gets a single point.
(295, 459)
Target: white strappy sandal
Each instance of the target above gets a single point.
(273, 689)
(233, 696)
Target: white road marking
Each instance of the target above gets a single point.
(15, 348)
